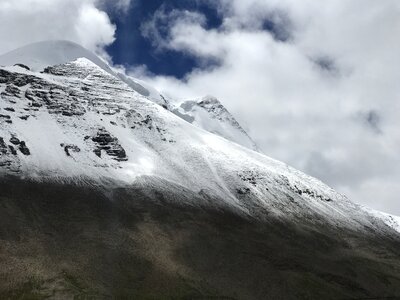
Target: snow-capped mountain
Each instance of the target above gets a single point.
(209, 113)
(40, 55)
(212, 117)
(75, 120)
(67, 119)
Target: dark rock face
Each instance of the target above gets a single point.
(5, 150)
(70, 148)
(14, 140)
(62, 102)
(25, 117)
(139, 120)
(24, 149)
(23, 66)
(254, 178)
(12, 150)
(56, 98)
(251, 177)
(12, 90)
(109, 144)
(311, 194)
(3, 146)
(243, 191)
(146, 121)
(7, 117)
(53, 70)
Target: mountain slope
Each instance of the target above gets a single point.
(76, 120)
(40, 55)
(105, 193)
(209, 114)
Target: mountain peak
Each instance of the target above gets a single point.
(211, 115)
(40, 55)
(209, 100)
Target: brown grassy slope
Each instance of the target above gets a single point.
(64, 241)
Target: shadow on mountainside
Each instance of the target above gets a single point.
(65, 241)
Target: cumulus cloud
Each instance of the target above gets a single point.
(316, 84)
(165, 30)
(81, 21)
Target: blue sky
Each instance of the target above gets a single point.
(131, 48)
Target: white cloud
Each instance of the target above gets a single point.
(81, 21)
(324, 96)
(177, 30)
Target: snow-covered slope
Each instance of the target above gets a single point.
(40, 55)
(208, 113)
(145, 90)
(78, 122)
(390, 220)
